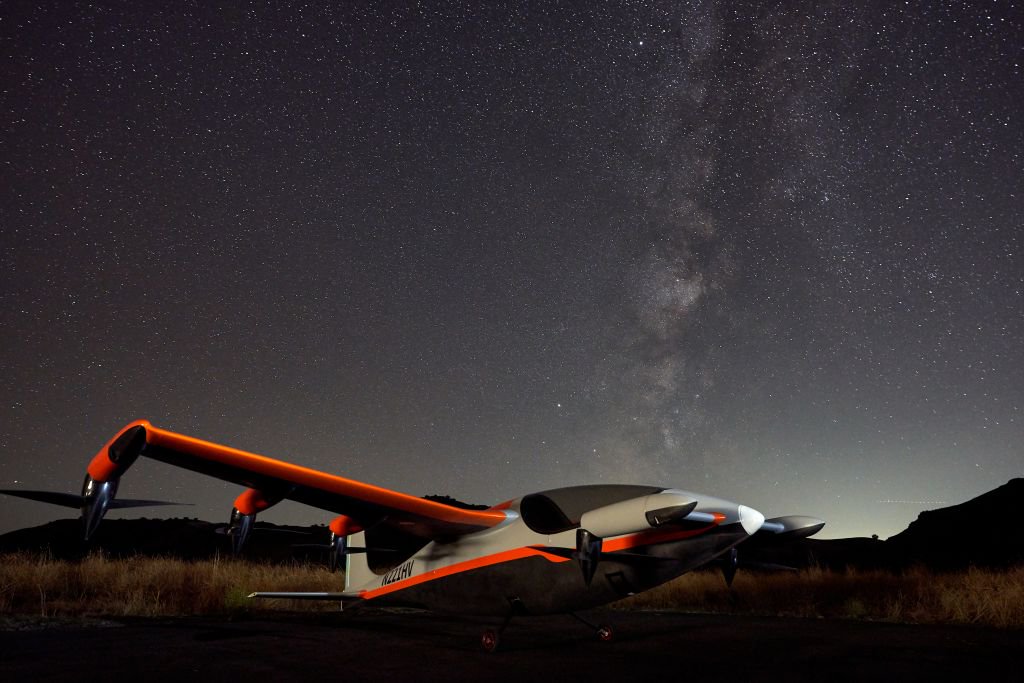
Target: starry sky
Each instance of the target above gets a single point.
(772, 251)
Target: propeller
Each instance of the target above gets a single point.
(239, 528)
(730, 561)
(588, 553)
(338, 548)
(338, 545)
(72, 500)
(98, 495)
(225, 530)
(96, 498)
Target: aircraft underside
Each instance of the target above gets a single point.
(541, 584)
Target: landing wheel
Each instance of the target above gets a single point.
(604, 633)
(489, 640)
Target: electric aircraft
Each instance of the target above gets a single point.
(555, 551)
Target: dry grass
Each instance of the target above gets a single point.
(101, 587)
(98, 586)
(975, 596)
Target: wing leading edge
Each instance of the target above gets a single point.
(277, 480)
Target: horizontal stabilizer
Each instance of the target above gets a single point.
(305, 596)
(346, 551)
(71, 500)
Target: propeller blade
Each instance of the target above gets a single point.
(348, 551)
(338, 547)
(139, 503)
(588, 553)
(225, 530)
(96, 498)
(730, 561)
(239, 526)
(70, 500)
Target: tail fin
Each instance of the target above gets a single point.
(357, 566)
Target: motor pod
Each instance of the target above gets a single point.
(588, 553)
(341, 527)
(243, 514)
(96, 498)
(239, 528)
(730, 563)
(638, 514)
(116, 457)
(104, 472)
(338, 547)
(792, 526)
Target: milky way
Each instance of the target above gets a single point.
(766, 252)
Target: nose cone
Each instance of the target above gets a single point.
(750, 519)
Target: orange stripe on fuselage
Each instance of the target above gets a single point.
(655, 536)
(643, 538)
(459, 567)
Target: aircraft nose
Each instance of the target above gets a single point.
(750, 519)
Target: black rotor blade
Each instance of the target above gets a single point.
(68, 500)
(225, 530)
(731, 561)
(71, 500)
(132, 503)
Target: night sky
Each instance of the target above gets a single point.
(772, 252)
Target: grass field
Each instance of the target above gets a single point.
(143, 586)
(100, 587)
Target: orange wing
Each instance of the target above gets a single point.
(276, 480)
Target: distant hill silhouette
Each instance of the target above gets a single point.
(194, 539)
(189, 539)
(982, 532)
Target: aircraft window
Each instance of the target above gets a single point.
(542, 515)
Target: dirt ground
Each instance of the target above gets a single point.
(396, 646)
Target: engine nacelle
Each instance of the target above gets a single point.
(341, 527)
(96, 499)
(239, 527)
(793, 526)
(116, 457)
(588, 553)
(638, 514)
(104, 472)
(243, 514)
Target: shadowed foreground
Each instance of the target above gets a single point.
(386, 645)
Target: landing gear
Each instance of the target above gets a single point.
(489, 640)
(603, 632)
